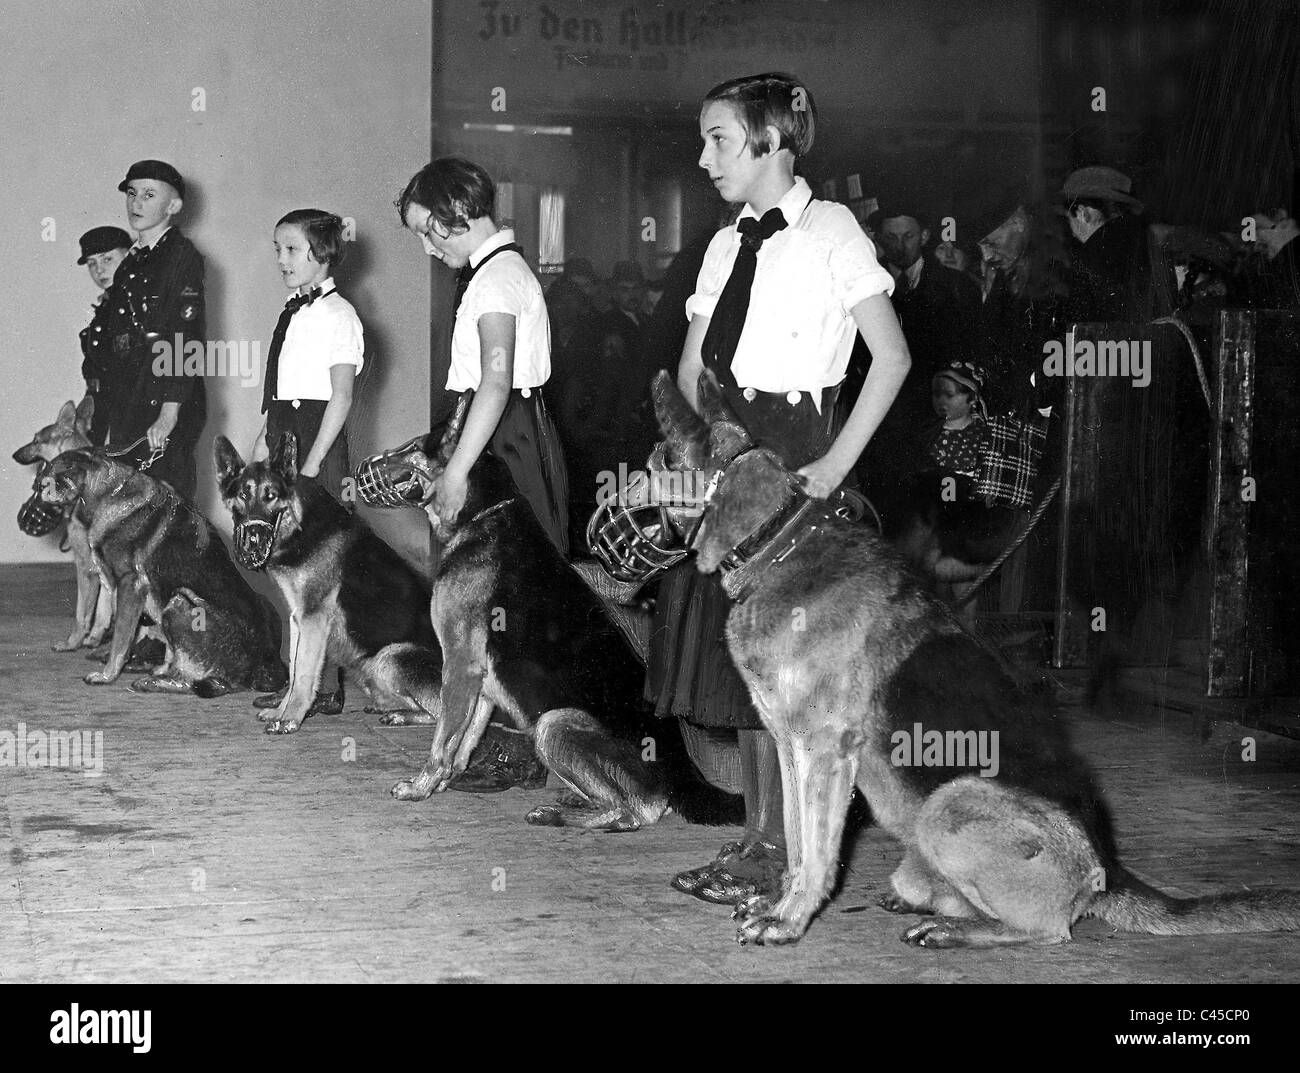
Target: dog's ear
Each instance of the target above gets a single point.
(284, 459)
(727, 436)
(85, 414)
(685, 430)
(229, 462)
(456, 422)
(67, 414)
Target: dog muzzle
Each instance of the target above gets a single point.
(38, 518)
(400, 477)
(634, 543)
(254, 542)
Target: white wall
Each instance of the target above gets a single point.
(307, 104)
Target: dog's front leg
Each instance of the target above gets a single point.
(465, 713)
(269, 715)
(87, 587)
(132, 590)
(819, 792)
(103, 618)
(310, 641)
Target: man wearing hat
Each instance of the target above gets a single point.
(937, 309)
(102, 250)
(154, 311)
(1110, 279)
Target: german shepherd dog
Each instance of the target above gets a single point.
(71, 430)
(160, 555)
(1014, 858)
(351, 597)
(523, 633)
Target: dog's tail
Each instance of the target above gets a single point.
(1133, 906)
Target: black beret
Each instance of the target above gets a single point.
(154, 169)
(101, 240)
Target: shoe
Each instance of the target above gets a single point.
(146, 654)
(504, 758)
(691, 881)
(756, 870)
(327, 703)
(271, 700)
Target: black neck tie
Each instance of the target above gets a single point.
(728, 320)
(467, 273)
(277, 343)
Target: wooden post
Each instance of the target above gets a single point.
(1078, 494)
(1227, 535)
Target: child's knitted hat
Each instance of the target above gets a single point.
(966, 373)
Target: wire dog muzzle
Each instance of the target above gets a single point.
(36, 517)
(396, 478)
(254, 542)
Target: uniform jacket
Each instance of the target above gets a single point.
(156, 297)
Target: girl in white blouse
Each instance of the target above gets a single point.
(501, 342)
(316, 352)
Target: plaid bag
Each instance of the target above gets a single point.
(1009, 460)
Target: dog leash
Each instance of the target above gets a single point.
(1010, 549)
(154, 454)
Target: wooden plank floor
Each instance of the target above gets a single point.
(207, 851)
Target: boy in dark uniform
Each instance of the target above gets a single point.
(154, 313)
(102, 250)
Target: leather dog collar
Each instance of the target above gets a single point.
(798, 518)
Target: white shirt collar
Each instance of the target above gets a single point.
(913, 274)
(326, 287)
(791, 205)
(503, 237)
(138, 245)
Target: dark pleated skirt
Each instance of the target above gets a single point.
(690, 673)
(527, 442)
(304, 421)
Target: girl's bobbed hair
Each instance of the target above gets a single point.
(324, 232)
(454, 190)
(775, 100)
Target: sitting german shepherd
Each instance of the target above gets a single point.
(71, 430)
(1008, 859)
(522, 632)
(160, 555)
(351, 597)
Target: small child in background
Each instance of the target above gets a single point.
(954, 447)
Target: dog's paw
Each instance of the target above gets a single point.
(893, 903)
(70, 645)
(405, 718)
(99, 678)
(756, 905)
(622, 822)
(409, 790)
(937, 934)
(768, 930)
(281, 726)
